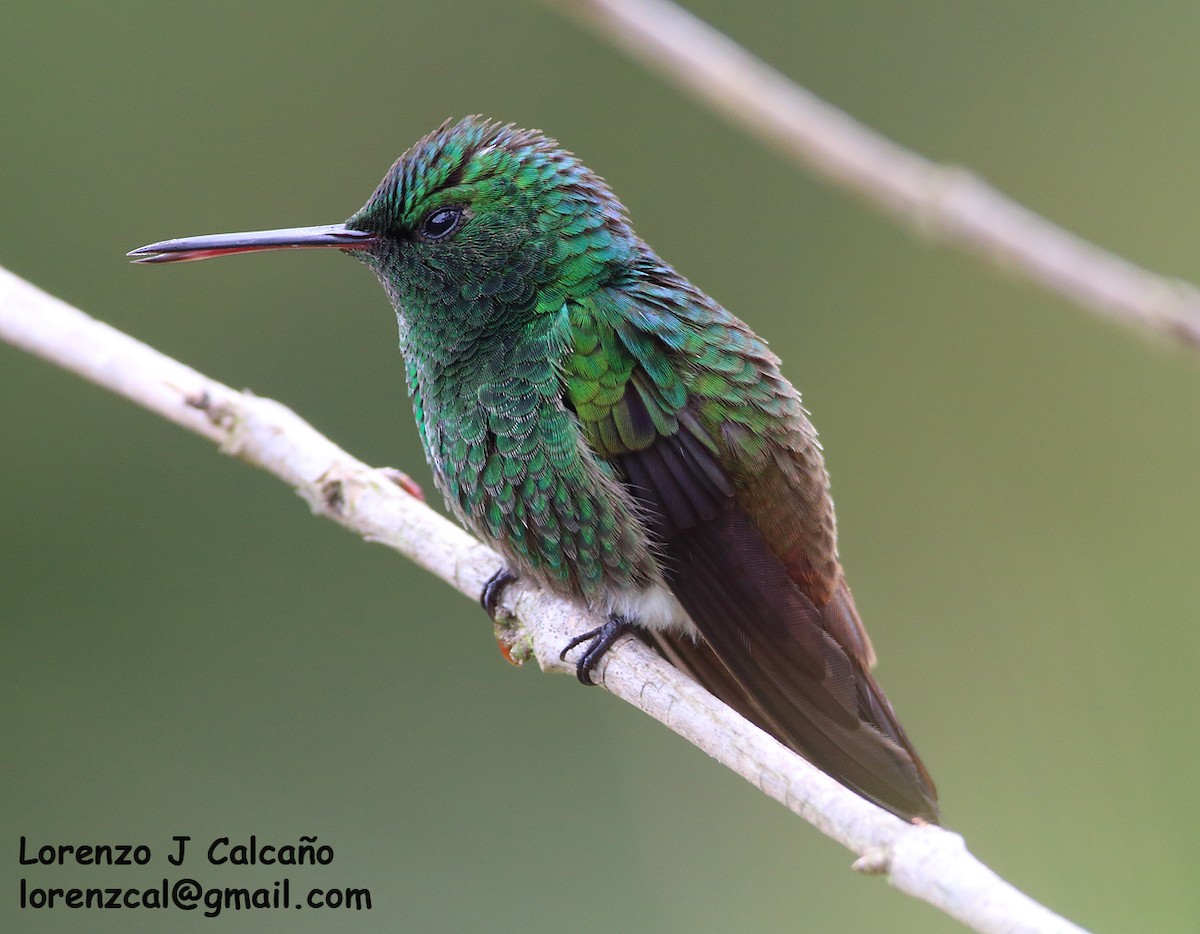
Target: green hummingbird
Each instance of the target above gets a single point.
(618, 436)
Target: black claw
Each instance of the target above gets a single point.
(599, 640)
(489, 597)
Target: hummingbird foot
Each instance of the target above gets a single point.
(493, 590)
(601, 640)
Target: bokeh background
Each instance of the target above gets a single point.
(187, 651)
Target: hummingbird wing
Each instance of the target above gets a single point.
(713, 445)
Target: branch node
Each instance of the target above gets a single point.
(877, 861)
(220, 414)
(333, 496)
(199, 400)
(516, 645)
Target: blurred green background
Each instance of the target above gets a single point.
(187, 651)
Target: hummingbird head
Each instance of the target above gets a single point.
(475, 214)
(483, 212)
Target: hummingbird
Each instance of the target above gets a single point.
(619, 437)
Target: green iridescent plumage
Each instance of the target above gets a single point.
(486, 332)
(619, 436)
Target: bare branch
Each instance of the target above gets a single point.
(927, 862)
(944, 202)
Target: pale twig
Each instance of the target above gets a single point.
(927, 862)
(945, 202)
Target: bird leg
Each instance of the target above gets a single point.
(602, 639)
(489, 597)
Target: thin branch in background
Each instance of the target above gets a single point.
(927, 862)
(946, 202)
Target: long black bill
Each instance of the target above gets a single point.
(336, 236)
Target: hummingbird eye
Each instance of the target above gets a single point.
(441, 223)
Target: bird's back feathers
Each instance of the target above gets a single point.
(717, 452)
